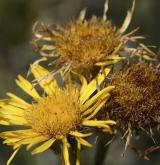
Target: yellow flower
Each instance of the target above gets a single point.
(56, 115)
(83, 45)
(2, 120)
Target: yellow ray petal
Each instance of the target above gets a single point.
(94, 122)
(65, 151)
(79, 134)
(107, 130)
(27, 87)
(16, 142)
(17, 133)
(99, 123)
(3, 102)
(16, 120)
(43, 147)
(35, 141)
(92, 86)
(9, 110)
(22, 140)
(11, 141)
(4, 122)
(114, 57)
(106, 63)
(16, 146)
(97, 96)
(41, 74)
(127, 19)
(17, 104)
(31, 140)
(83, 142)
(98, 108)
(18, 99)
(93, 107)
(12, 156)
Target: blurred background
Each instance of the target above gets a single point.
(16, 53)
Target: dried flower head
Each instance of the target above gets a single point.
(135, 103)
(84, 45)
(57, 115)
(136, 98)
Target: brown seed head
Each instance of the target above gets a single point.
(136, 98)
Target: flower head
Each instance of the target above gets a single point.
(56, 115)
(83, 45)
(136, 98)
(135, 103)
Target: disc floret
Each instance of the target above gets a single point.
(55, 115)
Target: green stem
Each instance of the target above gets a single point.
(102, 148)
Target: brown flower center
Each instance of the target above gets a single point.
(136, 98)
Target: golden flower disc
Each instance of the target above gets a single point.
(55, 115)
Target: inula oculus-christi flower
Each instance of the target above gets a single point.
(136, 97)
(56, 115)
(84, 45)
(76, 98)
(135, 103)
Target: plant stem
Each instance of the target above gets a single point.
(102, 148)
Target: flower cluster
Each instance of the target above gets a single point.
(83, 53)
